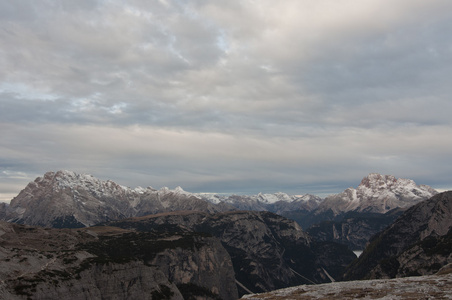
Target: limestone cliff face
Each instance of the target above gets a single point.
(267, 251)
(419, 242)
(210, 265)
(111, 263)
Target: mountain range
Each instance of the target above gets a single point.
(171, 244)
(65, 199)
(375, 194)
(70, 196)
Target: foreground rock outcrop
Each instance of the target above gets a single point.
(422, 287)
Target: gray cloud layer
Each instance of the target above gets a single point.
(232, 96)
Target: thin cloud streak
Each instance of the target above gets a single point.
(237, 96)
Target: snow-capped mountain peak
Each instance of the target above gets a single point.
(65, 198)
(378, 193)
(62, 180)
(177, 191)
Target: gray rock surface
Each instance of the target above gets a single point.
(422, 287)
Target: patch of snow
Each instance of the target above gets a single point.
(358, 252)
(178, 191)
(211, 197)
(164, 190)
(139, 190)
(273, 198)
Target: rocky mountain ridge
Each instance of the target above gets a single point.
(72, 197)
(277, 202)
(355, 215)
(67, 199)
(378, 194)
(419, 242)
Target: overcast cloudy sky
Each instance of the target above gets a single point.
(229, 96)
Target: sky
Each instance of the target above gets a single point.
(294, 96)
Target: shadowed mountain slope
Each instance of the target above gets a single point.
(419, 242)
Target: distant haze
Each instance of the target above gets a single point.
(226, 96)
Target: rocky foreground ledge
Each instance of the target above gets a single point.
(421, 287)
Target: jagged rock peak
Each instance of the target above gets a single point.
(378, 193)
(400, 187)
(375, 180)
(68, 179)
(178, 191)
